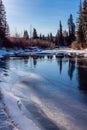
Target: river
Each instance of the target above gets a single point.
(53, 90)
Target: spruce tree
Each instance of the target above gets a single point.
(35, 36)
(84, 18)
(80, 31)
(61, 39)
(82, 24)
(48, 37)
(3, 22)
(71, 27)
(26, 35)
(51, 37)
(57, 38)
(40, 37)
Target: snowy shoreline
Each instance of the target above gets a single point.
(6, 122)
(44, 52)
(18, 120)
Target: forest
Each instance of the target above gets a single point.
(75, 37)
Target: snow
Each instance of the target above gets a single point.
(38, 51)
(16, 111)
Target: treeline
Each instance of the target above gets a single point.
(62, 38)
(76, 32)
(26, 43)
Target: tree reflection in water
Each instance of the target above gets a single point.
(4, 63)
(34, 62)
(71, 67)
(4, 66)
(59, 61)
(82, 75)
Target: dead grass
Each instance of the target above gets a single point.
(76, 45)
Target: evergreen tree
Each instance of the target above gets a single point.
(84, 19)
(26, 35)
(80, 31)
(35, 36)
(43, 37)
(65, 35)
(51, 37)
(60, 30)
(48, 37)
(61, 40)
(82, 24)
(3, 22)
(40, 36)
(57, 38)
(71, 27)
(7, 33)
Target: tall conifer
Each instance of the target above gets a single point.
(82, 24)
(71, 27)
(3, 21)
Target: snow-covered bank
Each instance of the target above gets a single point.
(18, 113)
(6, 123)
(38, 51)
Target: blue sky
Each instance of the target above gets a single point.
(44, 15)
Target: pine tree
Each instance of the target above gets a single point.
(51, 37)
(61, 40)
(35, 36)
(3, 22)
(40, 37)
(57, 38)
(60, 30)
(26, 35)
(82, 24)
(48, 37)
(7, 32)
(80, 31)
(71, 27)
(84, 18)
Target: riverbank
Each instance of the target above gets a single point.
(12, 115)
(6, 123)
(62, 51)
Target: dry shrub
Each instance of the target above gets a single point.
(76, 45)
(25, 43)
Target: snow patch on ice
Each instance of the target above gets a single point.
(13, 104)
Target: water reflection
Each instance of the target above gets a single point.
(71, 68)
(82, 75)
(59, 61)
(34, 62)
(71, 65)
(54, 94)
(35, 59)
(4, 66)
(50, 57)
(32, 59)
(66, 67)
(26, 60)
(4, 63)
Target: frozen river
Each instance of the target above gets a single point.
(53, 91)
